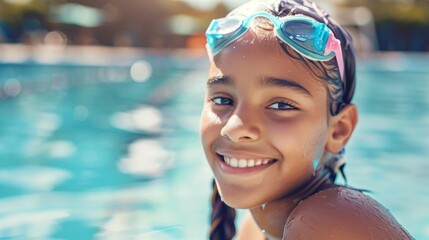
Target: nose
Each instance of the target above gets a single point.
(238, 129)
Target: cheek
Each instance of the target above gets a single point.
(211, 118)
(210, 125)
(315, 142)
(300, 138)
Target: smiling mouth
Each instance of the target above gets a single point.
(246, 163)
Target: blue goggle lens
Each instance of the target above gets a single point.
(225, 26)
(298, 30)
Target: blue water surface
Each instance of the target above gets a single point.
(90, 152)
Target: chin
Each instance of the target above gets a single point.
(238, 199)
(240, 203)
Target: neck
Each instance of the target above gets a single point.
(271, 217)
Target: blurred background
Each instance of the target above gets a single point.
(100, 103)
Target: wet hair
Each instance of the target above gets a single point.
(340, 92)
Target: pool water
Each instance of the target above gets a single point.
(92, 152)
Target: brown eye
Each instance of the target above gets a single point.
(282, 106)
(222, 101)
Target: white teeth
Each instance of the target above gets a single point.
(234, 162)
(245, 163)
(251, 163)
(242, 163)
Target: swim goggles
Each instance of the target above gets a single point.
(312, 39)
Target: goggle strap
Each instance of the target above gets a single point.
(334, 45)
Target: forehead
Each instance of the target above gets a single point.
(258, 55)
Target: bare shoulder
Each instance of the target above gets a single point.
(342, 213)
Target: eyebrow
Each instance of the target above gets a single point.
(269, 82)
(284, 83)
(221, 80)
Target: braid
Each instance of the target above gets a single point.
(222, 218)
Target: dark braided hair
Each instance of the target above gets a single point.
(340, 93)
(222, 218)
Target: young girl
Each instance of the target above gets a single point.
(276, 118)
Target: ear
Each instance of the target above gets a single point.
(341, 128)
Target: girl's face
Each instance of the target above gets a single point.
(264, 124)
